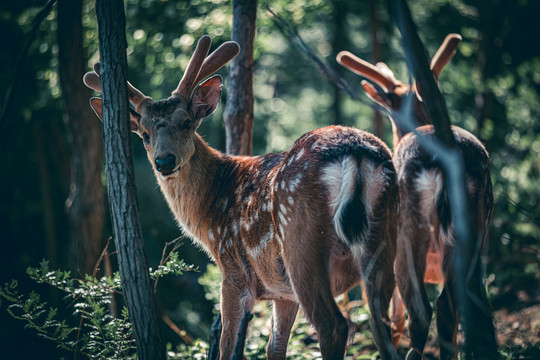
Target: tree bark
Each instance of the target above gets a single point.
(85, 205)
(238, 115)
(378, 124)
(132, 261)
(451, 160)
(339, 42)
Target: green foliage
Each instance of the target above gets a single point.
(92, 330)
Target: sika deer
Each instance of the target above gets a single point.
(425, 247)
(298, 227)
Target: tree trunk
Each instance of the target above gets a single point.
(132, 261)
(238, 115)
(85, 205)
(378, 124)
(451, 160)
(339, 43)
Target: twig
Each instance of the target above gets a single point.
(41, 15)
(521, 210)
(164, 258)
(186, 338)
(290, 32)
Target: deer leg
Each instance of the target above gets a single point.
(282, 322)
(311, 283)
(235, 301)
(447, 320)
(397, 317)
(410, 268)
(481, 335)
(379, 283)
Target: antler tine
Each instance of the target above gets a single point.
(93, 81)
(445, 53)
(362, 67)
(188, 81)
(217, 59)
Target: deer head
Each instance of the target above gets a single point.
(167, 127)
(389, 92)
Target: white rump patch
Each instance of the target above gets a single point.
(429, 184)
(340, 178)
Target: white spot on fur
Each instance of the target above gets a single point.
(224, 206)
(299, 155)
(290, 200)
(283, 208)
(281, 231)
(282, 218)
(211, 235)
(293, 184)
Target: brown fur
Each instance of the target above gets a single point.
(425, 244)
(268, 223)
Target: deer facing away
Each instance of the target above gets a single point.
(425, 242)
(296, 228)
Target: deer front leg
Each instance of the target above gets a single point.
(235, 301)
(282, 322)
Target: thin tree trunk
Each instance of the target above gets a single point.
(85, 205)
(451, 160)
(339, 43)
(378, 124)
(132, 261)
(238, 115)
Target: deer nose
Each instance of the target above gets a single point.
(165, 164)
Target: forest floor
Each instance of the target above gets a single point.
(518, 333)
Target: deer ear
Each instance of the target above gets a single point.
(97, 105)
(134, 117)
(206, 97)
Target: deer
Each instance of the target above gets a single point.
(426, 241)
(297, 228)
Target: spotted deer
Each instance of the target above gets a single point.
(296, 228)
(425, 242)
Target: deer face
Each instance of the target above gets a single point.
(167, 127)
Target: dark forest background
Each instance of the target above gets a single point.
(50, 140)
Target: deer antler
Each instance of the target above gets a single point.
(93, 81)
(216, 60)
(200, 67)
(445, 53)
(189, 80)
(362, 67)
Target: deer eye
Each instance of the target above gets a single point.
(146, 139)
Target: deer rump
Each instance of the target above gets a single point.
(328, 196)
(426, 199)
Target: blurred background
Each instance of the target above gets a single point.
(492, 89)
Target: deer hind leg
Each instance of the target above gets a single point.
(447, 319)
(410, 267)
(377, 263)
(397, 317)
(481, 338)
(306, 259)
(282, 322)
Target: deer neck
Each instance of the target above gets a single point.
(190, 194)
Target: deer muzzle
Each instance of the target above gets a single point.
(166, 164)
